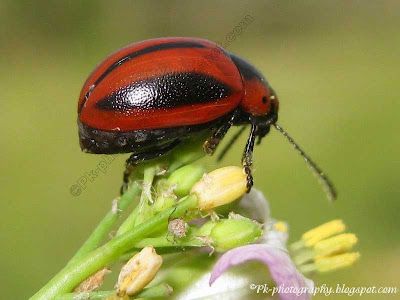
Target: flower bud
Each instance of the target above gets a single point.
(232, 233)
(138, 271)
(184, 178)
(205, 230)
(220, 187)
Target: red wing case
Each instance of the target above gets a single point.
(161, 83)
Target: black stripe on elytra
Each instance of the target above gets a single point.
(167, 91)
(132, 55)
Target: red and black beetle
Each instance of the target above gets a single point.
(145, 98)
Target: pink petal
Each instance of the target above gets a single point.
(280, 265)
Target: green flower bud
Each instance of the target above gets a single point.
(205, 230)
(184, 178)
(232, 233)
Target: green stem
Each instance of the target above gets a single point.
(303, 257)
(129, 222)
(75, 273)
(165, 241)
(105, 225)
(161, 290)
(144, 210)
(308, 268)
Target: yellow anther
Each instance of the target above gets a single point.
(326, 264)
(323, 231)
(334, 245)
(280, 226)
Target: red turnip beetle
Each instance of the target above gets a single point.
(145, 98)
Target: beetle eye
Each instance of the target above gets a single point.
(264, 100)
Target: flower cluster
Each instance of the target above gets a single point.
(187, 230)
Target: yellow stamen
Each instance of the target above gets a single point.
(337, 244)
(280, 226)
(326, 264)
(323, 231)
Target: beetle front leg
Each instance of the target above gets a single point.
(247, 158)
(213, 141)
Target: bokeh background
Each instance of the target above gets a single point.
(334, 64)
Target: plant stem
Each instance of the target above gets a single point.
(129, 223)
(144, 212)
(105, 225)
(161, 290)
(165, 241)
(75, 273)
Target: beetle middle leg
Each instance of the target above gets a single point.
(213, 141)
(247, 158)
(136, 158)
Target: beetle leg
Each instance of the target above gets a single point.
(212, 142)
(127, 173)
(230, 143)
(136, 158)
(247, 159)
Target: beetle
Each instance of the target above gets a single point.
(146, 98)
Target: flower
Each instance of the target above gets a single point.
(281, 267)
(272, 252)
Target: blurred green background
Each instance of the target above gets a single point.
(334, 64)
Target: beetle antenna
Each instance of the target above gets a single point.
(326, 183)
(230, 143)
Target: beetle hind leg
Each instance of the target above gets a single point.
(247, 158)
(136, 158)
(125, 178)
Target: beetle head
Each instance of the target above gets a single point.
(260, 101)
